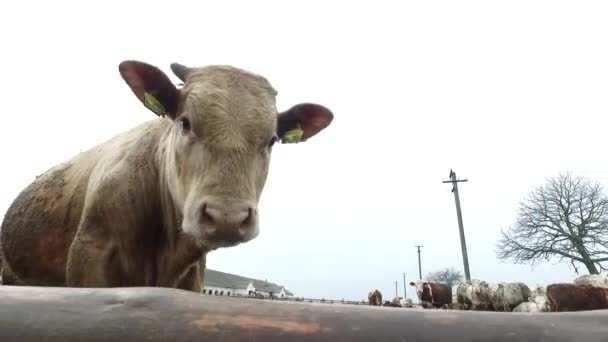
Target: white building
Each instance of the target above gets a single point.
(225, 284)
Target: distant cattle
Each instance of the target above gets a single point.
(538, 291)
(541, 302)
(406, 303)
(572, 297)
(391, 304)
(475, 295)
(536, 304)
(599, 280)
(510, 295)
(397, 301)
(375, 298)
(526, 307)
(146, 206)
(455, 293)
(432, 294)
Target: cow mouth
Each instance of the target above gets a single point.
(217, 237)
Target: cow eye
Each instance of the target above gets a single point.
(185, 124)
(272, 141)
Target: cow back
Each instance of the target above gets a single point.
(571, 297)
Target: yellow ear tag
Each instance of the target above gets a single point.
(293, 136)
(153, 104)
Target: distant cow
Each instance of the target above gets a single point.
(391, 304)
(536, 304)
(406, 303)
(572, 297)
(432, 294)
(145, 207)
(526, 307)
(454, 291)
(375, 298)
(509, 295)
(599, 280)
(475, 295)
(538, 291)
(397, 300)
(541, 302)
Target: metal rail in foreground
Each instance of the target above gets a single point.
(155, 314)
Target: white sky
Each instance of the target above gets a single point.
(505, 93)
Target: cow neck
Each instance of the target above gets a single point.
(171, 215)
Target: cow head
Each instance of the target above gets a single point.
(542, 304)
(423, 289)
(217, 147)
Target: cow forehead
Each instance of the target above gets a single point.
(229, 77)
(228, 104)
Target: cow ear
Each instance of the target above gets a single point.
(151, 86)
(412, 284)
(302, 121)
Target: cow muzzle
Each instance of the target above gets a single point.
(228, 225)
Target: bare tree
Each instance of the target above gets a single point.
(567, 219)
(448, 276)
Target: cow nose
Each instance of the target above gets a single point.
(232, 217)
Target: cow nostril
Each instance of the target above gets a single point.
(208, 214)
(245, 215)
(226, 216)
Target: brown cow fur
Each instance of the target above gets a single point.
(375, 298)
(441, 294)
(571, 297)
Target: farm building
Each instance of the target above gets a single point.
(226, 284)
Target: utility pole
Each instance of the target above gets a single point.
(404, 288)
(396, 293)
(463, 243)
(419, 264)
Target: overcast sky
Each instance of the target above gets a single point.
(506, 93)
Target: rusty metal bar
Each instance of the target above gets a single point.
(155, 314)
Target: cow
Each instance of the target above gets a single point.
(541, 302)
(572, 297)
(536, 303)
(527, 307)
(375, 298)
(397, 300)
(598, 280)
(455, 293)
(406, 303)
(432, 294)
(146, 206)
(391, 304)
(538, 291)
(475, 295)
(510, 295)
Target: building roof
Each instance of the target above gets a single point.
(222, 279)
(233, 281)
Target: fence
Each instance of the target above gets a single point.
(156, 314)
